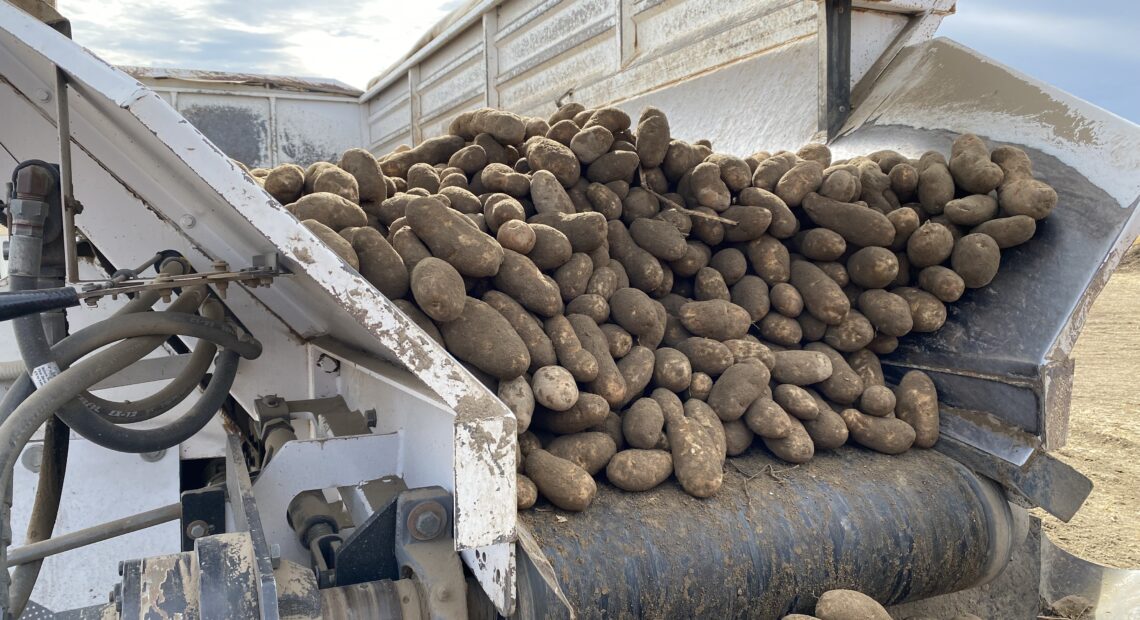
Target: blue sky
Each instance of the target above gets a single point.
(1086, 48)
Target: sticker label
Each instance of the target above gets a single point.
(45, 373)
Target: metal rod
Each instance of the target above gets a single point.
(834, 41)
(63, 123)
(94, 534)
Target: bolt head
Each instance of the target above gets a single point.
(429, 524)
(197, 529)
(153, 457)
(187, 221)
(43, 95)
(32, 457)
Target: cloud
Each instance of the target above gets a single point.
(344, 39)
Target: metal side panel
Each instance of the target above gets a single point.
(186, 195)
(1005, 348)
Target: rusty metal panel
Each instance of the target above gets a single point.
(309, 131)
(237, 125)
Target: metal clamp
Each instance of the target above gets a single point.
(426, 551)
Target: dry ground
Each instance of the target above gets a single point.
(1104, 430)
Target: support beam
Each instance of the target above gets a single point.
(834, 41)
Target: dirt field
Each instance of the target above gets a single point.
(1104, 436)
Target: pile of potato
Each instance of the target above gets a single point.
(648, 307)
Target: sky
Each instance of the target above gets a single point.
(1085, 48)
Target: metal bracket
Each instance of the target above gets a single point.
(426, 550)
(203, 514)
(247, 518)
(834, 41)
(368, 554)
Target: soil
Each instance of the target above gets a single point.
(1104, 426)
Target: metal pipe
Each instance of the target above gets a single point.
(63, 123)
(93, 534)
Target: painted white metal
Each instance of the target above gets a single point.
(311, 464)
(523, 55)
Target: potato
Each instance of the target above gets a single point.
(613, 166)
(887, 312)
(935, 188)
(873, 267)
(784, 223)
(419, 318)
(590, 411)
(652, 138)
(767, 419)
(796, 447)
(566, 111)
(545, 154)
(565, 484)
(591, 143)
(733, 171)
(286, 182)
(849, 605)
(930, 245)
(904, 180)
(501, 208)
(866, 364)
(786, 300)
(526, 492)
(551, 248)
(769, 259)
(941, 282)
(843, 386)
(881, 434)
(483, 338)
(603, 200)
(804, 177)
(840, 184)
(659, 238)
(610, 383)
(770, 171)
(821, 244)
(752, 294)
(737, 437)
(1019, 193)
(593, 306)
(335, 242)
(335, 212)
(637, 370)
(700, 385)
(621, 342)
(822, 297)
(429, 151)
(927, 313)
(380, 264)
(852, 334)
(333, 180)
(744, 349)
(696, 257)
(639, 470)
(671, 369)
(516, 235)
(857, 224)
(800, 367)
(736, 388)
(883, 344)
(643, 423)
(554, 388)
(697, 460)
(438, 289)
(505, 127)
(877, 400)
(706, 355)
(423, 176)
(976, 259)
(971, 166)
(311, 173)
(517, 395)
(642, 267)
(731, 264)
(811, 328)
(905, 220)
(571, 355)
(503, 178)
(1008, 231)
(450, 237)
(635, 312)
(591, 451)
(520, 278)
(781, 330)
(796, 401)
(717, 319)
(709, 284)
(827, 431)
(917, 405)
(530, 329)
(971, 210)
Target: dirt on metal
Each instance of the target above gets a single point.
(1104, 428)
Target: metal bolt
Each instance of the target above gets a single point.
(427, 520)
(187, 221)
(271, 401)
(32, 457)
(328, 364)
(275, 555)
(197, 529)
(153, 457)
(370, 418)
(43, 95)
(122, 565)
